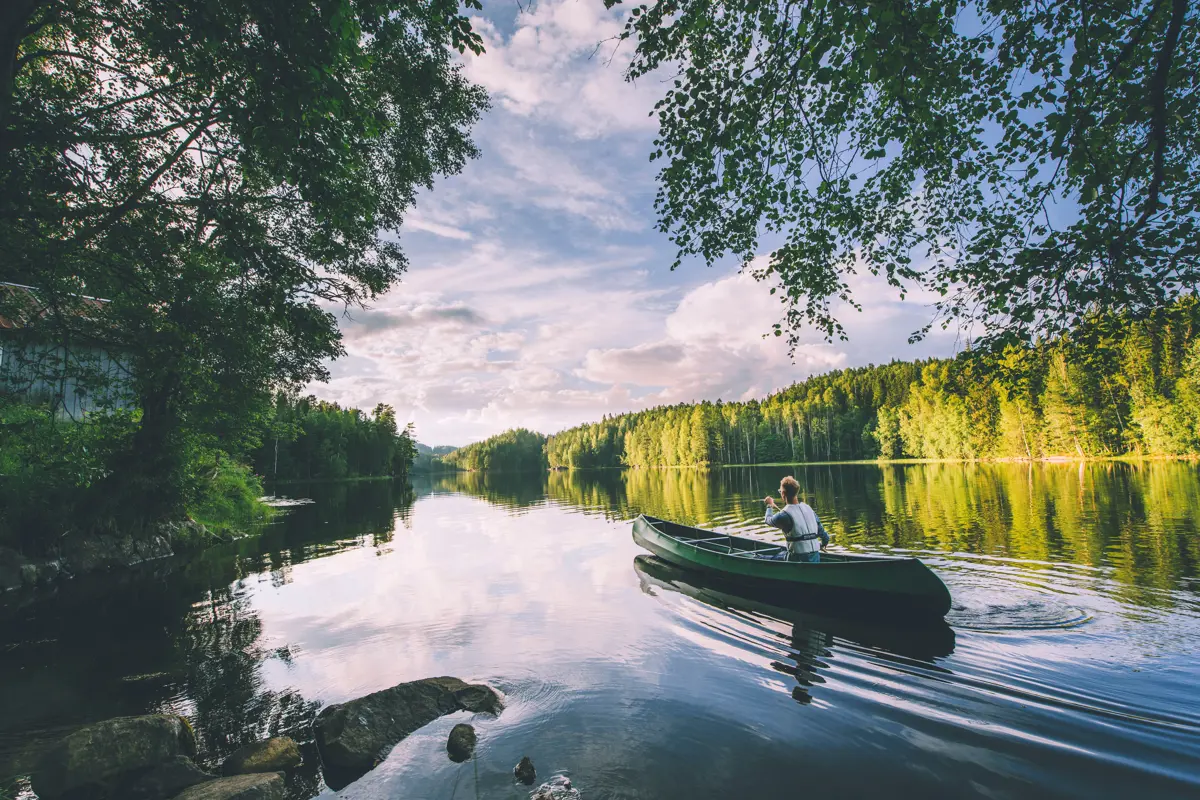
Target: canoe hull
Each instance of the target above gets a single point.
(893, 586)
(924, 638)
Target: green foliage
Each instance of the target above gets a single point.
(309, 439)
(52, 472)
(220, 173)
(1033, 163)
(886, 433)
(1114, 387)
(823, 418)
(50, 468)
(228, 500)
(516, 450)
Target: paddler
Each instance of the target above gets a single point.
(804, 533)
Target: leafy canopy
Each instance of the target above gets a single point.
(221, 173)
(1031, 163)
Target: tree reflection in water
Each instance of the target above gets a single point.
(181, 636)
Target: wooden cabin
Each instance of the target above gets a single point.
(74, 378)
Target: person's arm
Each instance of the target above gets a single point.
(778, 519)
(824, 534)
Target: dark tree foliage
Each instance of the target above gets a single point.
(310, 439)
(219, 172)
(1033, 163)
(517, 450)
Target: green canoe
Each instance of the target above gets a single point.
(881, 584)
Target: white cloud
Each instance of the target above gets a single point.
(563, 66)
(714, 347)
(538, 294)
(416, 222)
(547, 343)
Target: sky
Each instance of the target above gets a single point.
(539, 294)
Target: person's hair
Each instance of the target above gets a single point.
(790, 488)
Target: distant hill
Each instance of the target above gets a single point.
(516, 450)
(429, 459)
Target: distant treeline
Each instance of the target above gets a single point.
(1115, 387)
(516, 450)
(308, 439)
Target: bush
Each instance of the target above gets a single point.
(48, 466)
(53, 473)
(227, 497)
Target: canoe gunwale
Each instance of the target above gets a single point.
(756, 546)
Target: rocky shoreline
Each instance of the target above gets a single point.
(83, 555)
(154, 757)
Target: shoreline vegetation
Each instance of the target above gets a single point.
(1128, 458)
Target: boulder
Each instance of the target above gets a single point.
(557, 788)
(274, 755)
(524, 771)
(353, 737)
(97, 757)
(461, 743)
(259, 786)
(166, 780)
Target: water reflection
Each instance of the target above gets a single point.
(810, 636)
(181, 635)
(1135, 518)
(1069, 663)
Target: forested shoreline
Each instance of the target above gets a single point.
(309, 439)
(517, 450)
(1113, 388)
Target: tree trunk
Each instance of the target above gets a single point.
(15, 16)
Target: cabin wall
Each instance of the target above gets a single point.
(76, 380)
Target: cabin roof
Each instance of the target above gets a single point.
(20, 306)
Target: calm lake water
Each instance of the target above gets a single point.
(1067, 668)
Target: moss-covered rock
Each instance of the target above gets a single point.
(97, 758)
(353, 737)
(461, 743)
(259, 786)
(274, 755)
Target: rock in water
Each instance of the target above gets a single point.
(98, 757)
(524, 771)
(353, 737)
(557, 788)
(461, 743)
(166, 780)
(273, 755)
(259, 786)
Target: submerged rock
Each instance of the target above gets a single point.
(273, 755)
(461, 743)
(259, 786)
(353, 737)
(557, 788)
(524, 771)
(167, 780)
(98, 757)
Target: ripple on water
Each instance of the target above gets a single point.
(1029, 614)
